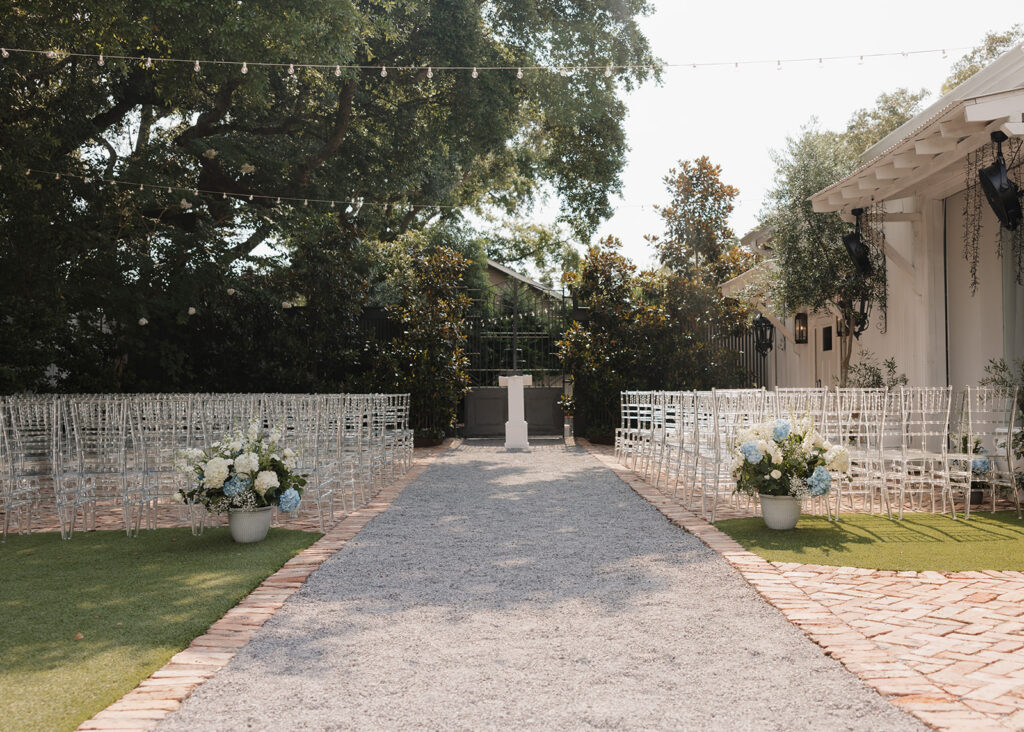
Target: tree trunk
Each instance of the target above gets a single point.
(845, 347)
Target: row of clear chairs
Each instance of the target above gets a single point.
(911, 447)
(75, 452)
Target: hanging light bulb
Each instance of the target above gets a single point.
(383, 70)
(861, 61)
(475, 73)
(168, 189)
(821, 63)
(250, 196)
(149, 62)
(291, 69)
(195, 191)
(196, 66)
(224, 194)
(101, 61)
(278, 200)
(778, 65)
(430, 73)
(57, 177)
(519, 74)
(245, 68)
(140, 186)
(332, 204)
(3, 52)
(337, 71)
(608, 71)
(305, 201)
(944, 54)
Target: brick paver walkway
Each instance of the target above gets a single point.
(946, 646)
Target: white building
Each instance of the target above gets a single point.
(937, 330)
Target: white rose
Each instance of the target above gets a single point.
(266, 480)
(191, 311)
(143, 321)
(776, 474)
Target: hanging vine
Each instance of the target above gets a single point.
(1015, 238)
(1012, 242)
(873, 234)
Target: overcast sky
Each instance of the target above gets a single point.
(738, 117)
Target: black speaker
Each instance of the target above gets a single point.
(1002, 193)
(857, 249)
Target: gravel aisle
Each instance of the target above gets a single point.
(529, 590)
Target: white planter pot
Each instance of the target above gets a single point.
(249, 526)
(780, 512)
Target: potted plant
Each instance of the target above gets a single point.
(568, 406)
(245, 477)
(783, 463)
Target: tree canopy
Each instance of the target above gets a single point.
(88, 256)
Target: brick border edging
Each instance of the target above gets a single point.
(145, 706)
(901, 685)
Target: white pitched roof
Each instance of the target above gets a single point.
(925, 147)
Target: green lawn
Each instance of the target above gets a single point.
(134, 602)
(919, 542)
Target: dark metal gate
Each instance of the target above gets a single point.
(513, 327)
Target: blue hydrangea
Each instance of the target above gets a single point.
(820, 481)
(781, 431)
(289, 500)
(236, 484)
(981, 465)
(751, 453)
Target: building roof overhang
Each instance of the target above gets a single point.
(923, 155)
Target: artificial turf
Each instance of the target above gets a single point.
(921, 541)
(82, 622)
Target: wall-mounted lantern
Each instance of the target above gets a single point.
(764, 335)
(800, 328)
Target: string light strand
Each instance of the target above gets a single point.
(607, 69)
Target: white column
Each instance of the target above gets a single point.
(516, 427)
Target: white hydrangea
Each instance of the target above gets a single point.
(235, 445)
(253, 431)
(247, 463)
(215, 472)
(266, 480)
(275, 436)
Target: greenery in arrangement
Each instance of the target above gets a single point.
(121, 289)
(85, 621)
(245, 472)
(920, 542)
(786, 458)
(659, 329)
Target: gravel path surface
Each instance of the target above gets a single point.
(529, 590)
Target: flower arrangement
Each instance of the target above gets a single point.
(784, 458)
(247, 472)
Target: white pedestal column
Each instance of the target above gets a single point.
(516, 427)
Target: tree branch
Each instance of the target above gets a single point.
(342, 118)
(209, 119)
(246, 247)
(112, 160)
